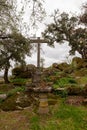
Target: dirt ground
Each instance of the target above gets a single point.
(15, 120)
(75, 100)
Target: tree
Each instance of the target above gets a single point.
(66, 28)
(11, 14)
(83, 16)
(8, 18)
(13, 48)
(13, 45)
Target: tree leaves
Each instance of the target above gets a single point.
(67, 28)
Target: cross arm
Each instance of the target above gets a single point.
(38, 41)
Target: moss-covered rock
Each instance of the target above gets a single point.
(84, 92)
(4, 88)
(55, 65)
(77, 62)
(24, 71)
(74, 90)
(9, 103)
(62, 66)
(16, 101)
(81, 72)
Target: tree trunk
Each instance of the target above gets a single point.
(6, 75)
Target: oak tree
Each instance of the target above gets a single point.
(13, 48)
(66, 28)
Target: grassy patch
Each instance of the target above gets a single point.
(62, 82)
(73, 118)
(19, 81)
(4, 88)
(15, 90)
(62, 117)
(35, 123)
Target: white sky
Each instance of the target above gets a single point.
(64, 5)
(60, 52)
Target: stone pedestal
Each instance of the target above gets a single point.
(36, 77)
(43, 105)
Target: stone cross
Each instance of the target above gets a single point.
(37, 76)
(43, 105)
(38, 41)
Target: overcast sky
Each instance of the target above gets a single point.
(60, 52)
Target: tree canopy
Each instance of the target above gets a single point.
(8, 18)
(67, 28)
(83, 16)
(13, 48)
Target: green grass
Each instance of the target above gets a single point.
(62, 82)
(71, 118)
(15, 90)
(19, 81)
(35, 123)
(61, 117)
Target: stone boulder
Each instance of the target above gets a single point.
(3, 96)
(77, 62)
(24, 71)
(63, 66)
(80, 72)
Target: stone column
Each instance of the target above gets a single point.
(43, 105)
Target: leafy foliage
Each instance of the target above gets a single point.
(65, 28)
(83, 17)
(8, 16)
(13, 48)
